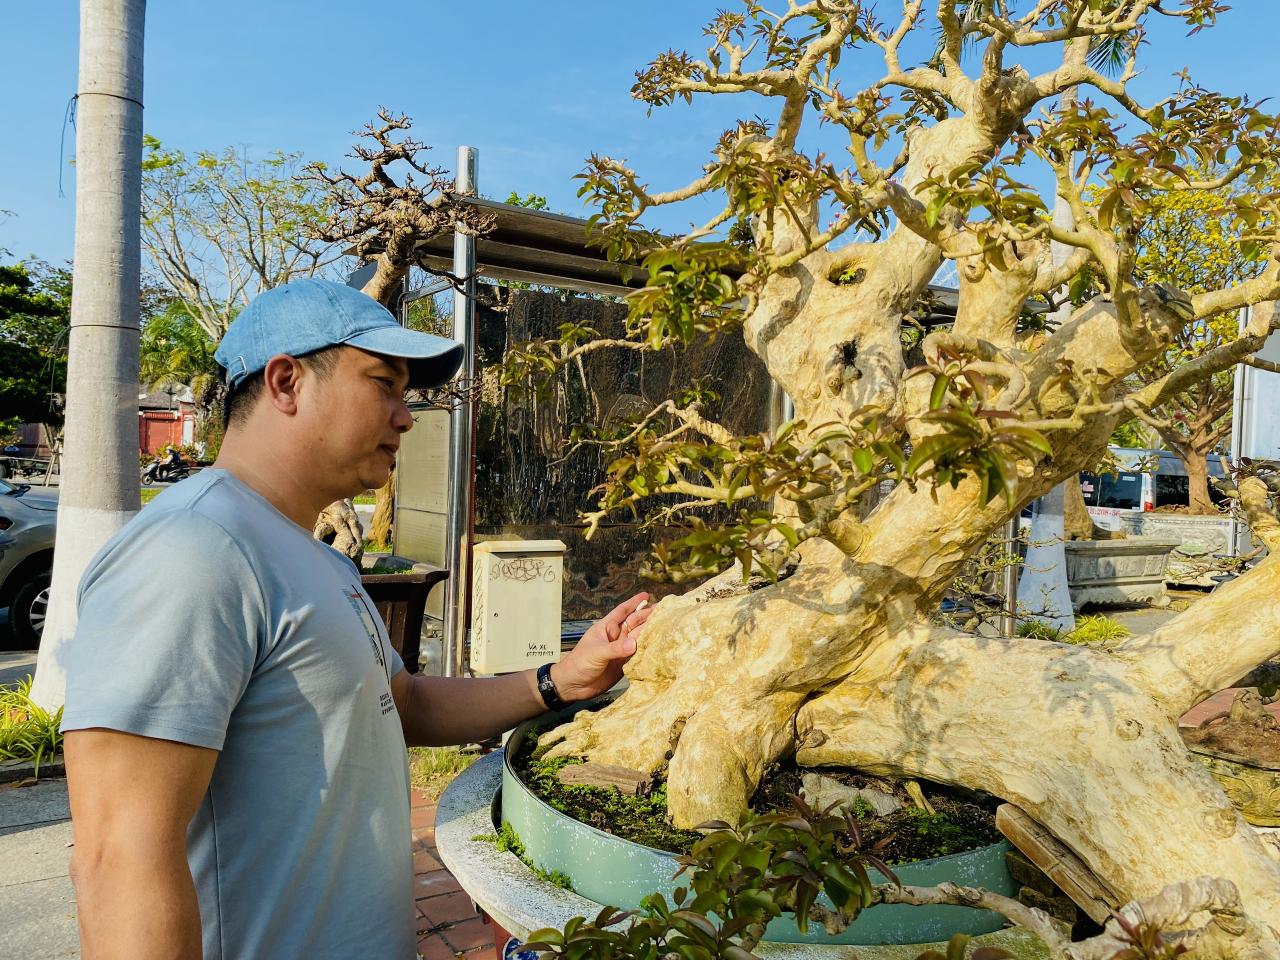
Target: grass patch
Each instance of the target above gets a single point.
(382, 567)
(365, 498)
(507, 840)
(431, 769)
(149, 494)
(28, 732)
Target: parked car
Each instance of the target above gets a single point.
(27, 521)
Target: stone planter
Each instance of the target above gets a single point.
(520, 902)
(1251, 786)
(1200, 538)
(1118, 571)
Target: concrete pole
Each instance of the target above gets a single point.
(461, 492)
(1042, 586)
(99, 466)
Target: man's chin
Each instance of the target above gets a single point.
(374, 478)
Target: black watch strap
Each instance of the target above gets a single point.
(547, 687)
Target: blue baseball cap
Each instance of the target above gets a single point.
(307, 315)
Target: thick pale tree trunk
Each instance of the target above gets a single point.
(379, 531)
(100, 448)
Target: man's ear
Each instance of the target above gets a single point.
(280, 382)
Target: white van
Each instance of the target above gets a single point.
(1147, 479)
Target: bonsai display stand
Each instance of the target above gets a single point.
(401, 599)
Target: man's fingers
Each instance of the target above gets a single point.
(614, 619)
(636, 620)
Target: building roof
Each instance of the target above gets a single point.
(535, 246)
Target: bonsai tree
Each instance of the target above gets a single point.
(814, 636)
(380, 216)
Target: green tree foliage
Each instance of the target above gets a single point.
(35, 311)
(1189, 242)
(221, 227)
(174, 349)
(1190, 239)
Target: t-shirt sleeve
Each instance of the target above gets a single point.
(171, 621)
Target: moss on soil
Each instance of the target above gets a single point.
(638, 819)
(961, 822)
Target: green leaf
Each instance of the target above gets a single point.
(939, 392)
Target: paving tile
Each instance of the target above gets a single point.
(432, 947)
(450, 908)
(424, 862)
(420, 817)
(434, 884)
(471, 935)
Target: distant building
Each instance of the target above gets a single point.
(165, 419)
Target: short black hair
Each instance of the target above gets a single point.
(241, 398)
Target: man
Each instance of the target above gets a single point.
(236, 719)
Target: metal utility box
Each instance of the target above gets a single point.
(515, 604)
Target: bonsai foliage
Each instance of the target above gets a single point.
(877, 145)
(812, 865)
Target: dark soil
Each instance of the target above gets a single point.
(961, 822)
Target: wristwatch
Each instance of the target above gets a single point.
(547, 687)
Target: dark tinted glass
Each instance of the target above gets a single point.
(1122, 490)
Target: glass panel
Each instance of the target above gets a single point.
(1172, 490)
(1123, 490)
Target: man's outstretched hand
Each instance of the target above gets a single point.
(595, 664)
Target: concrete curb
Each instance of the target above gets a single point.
(11, 770)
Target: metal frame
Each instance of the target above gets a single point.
(461, 431)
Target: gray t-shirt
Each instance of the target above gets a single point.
(212, 619)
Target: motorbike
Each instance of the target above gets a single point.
(162, 471)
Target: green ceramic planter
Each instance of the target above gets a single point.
(610, 870)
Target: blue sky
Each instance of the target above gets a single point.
(535, 86)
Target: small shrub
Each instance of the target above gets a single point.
(1099, 629)
(1036, 630)
(1093, 629)
(28, 732)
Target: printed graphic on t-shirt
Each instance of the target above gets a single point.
(361, 607)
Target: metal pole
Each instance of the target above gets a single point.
(781, 409)
(1238, 406)
(458, 521)
(1009, 618)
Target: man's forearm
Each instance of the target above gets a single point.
(136, 903)
(450, 710)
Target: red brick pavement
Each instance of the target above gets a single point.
(1219, 705)
(448, 925)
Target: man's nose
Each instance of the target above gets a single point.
(402, 419)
